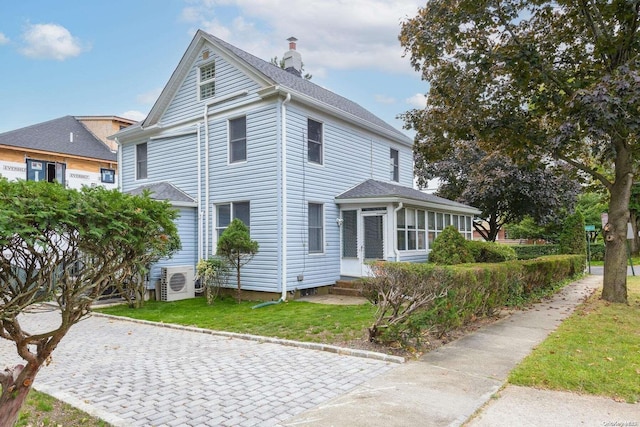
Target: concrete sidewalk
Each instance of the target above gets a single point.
(447, 386)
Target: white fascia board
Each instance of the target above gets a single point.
(409, 203)
(305, 99)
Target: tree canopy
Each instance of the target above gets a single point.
(236, 246)
(67, 246)
(544, 80)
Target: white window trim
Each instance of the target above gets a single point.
(204, 82)
(324, 229)
(394, 166)
(246, 141)
(322, 143)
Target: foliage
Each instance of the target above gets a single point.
(584, 356)
(535, 251)
(236, 246)
(68, 246)
(505, 191)
(537, 80)
(294, 320)
(450, 248)
(597, 251)
(573, 238)
(213, 273)
(490, 251)
(413, 298)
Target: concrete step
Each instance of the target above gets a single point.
(348, 284)
(334, 290)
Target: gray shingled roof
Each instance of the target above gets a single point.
(163, 191)
(304, 86)
(54, 136)
(371, 189)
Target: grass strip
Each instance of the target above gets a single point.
(595, 351)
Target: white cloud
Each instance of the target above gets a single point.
(332, 33)
(149, 97)
(134, 115)
(418, 100)
(3, 39)
(50, 41)
(384, 99)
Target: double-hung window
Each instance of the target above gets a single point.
(316, 228)
(238, 140)
(141, 161)
(314, 141)
(394, 167)
(207, 80)
(228, 211)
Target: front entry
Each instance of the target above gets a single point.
(363, 240)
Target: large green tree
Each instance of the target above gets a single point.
(542, 79)
(66, 246)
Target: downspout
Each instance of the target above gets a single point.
(206, 180)
(199, 191)
(119, 164)
(395, 240)
(284, 194)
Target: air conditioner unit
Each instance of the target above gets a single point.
(176, 283)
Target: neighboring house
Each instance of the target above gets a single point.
(62, 150)
(323, 184)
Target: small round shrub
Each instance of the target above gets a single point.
(450, 248)
(490, 251)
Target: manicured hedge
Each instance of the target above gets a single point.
(535, 251)
(470, 290)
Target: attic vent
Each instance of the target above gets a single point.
(205, 55)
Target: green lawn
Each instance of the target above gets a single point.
(295, 320)
(42, 410)
(595, 351)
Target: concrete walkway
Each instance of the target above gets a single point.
(447, 386)
(136, 374)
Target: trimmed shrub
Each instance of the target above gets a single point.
(535, 251)
(490, 251)
(414, 298)
(572, 238)
(450, 247)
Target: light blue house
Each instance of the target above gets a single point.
(323, 184)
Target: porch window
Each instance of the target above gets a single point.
(394, 168)
(238, 140)
(228, 211)
(141, 161)
(207, 80)
(314, 141)
(411, 229)
(316, 228)
(350, 234)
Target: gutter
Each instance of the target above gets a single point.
(206, 180)
(283, 116)
(199, 145)
(119, 164)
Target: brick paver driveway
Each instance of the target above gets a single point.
(134, 374)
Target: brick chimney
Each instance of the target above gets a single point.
(293, 59)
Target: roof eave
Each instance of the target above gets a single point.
(408, 201)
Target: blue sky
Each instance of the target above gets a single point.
(113, 57)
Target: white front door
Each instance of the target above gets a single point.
(362, 241)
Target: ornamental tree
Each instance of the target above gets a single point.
(236, 246)
(66, 246)
(550, 80)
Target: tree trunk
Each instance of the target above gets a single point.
(614, 286)
(14, 393)
(239, 296)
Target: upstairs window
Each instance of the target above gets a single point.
(207, 80)
(238, 140)
(141, 161)
(394, 168)
(314, 141)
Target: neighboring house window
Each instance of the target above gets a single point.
(316, 222)
(314, 141)
(141, 161)
(228, 211)
(238, 140)
(207, 80)
(107, 176)
(40, 170)
(394, 168)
